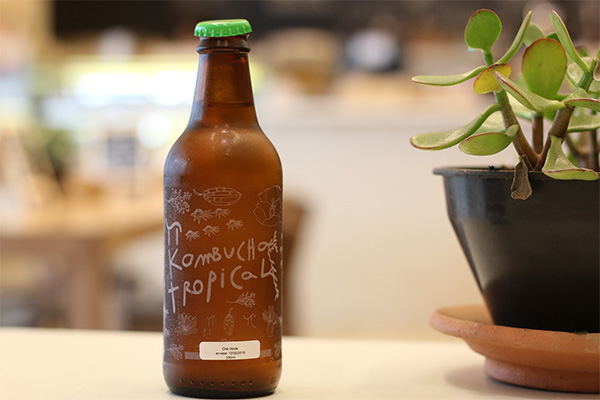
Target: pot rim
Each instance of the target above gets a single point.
(490, 172)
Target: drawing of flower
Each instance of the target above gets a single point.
(186, 324)
(211, 230)
(268, 208)
(234, 224)
(178, 201)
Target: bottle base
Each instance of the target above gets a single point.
(218, 393)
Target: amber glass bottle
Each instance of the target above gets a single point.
(222, 192)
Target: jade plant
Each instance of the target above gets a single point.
(555, 98)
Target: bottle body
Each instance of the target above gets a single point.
(223, 238)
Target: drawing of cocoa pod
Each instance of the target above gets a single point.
(220, 196)
(228, 323)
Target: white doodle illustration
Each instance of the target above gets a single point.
(267, 209)
(277, 350)
(169, 227)
(176, 351)
(179, 201)
(250, 320)
(245, 299)
(228, 323)
(192, 235)
(200, 215)
(220, 196)
(234, 224)
(186, 324)
(210, 322)
(210, 230)
(272, 320)
(271, 246)
(221, 212)
(167, 329)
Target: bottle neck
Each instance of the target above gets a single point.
(223, 88)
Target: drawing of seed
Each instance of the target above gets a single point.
(221, 196)
(228, 323)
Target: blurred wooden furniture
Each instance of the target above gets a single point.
(294, 215)
(79, 236)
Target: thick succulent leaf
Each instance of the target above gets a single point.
(486, 81)
(584, 123)
(558, 165)
(532, 34)
(574, 73)
(494, 123)
(519, 109)
(544, 66)
(447, 80)
(482, 30)
(565, 40)
(485, 144)
(592, 104)
(449, 138)
(530, 100)
(521, 187)
(518, 40)
(581, 98)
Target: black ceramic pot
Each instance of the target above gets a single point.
(537, 261)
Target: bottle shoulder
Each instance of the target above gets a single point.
(222, 151)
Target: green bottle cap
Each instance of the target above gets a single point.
(222, 28)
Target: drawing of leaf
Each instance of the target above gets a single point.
(245, 299)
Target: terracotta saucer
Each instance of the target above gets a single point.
(538, 359)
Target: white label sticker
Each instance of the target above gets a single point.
(230, 350)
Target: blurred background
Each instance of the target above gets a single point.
(93, 93)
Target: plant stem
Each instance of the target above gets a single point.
(561, 121)
(509, 118)
(488, 58)
(537, 129)
(558, 129)
(593, 157)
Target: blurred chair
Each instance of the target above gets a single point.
(294, 216)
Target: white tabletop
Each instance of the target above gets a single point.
(68, 364)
